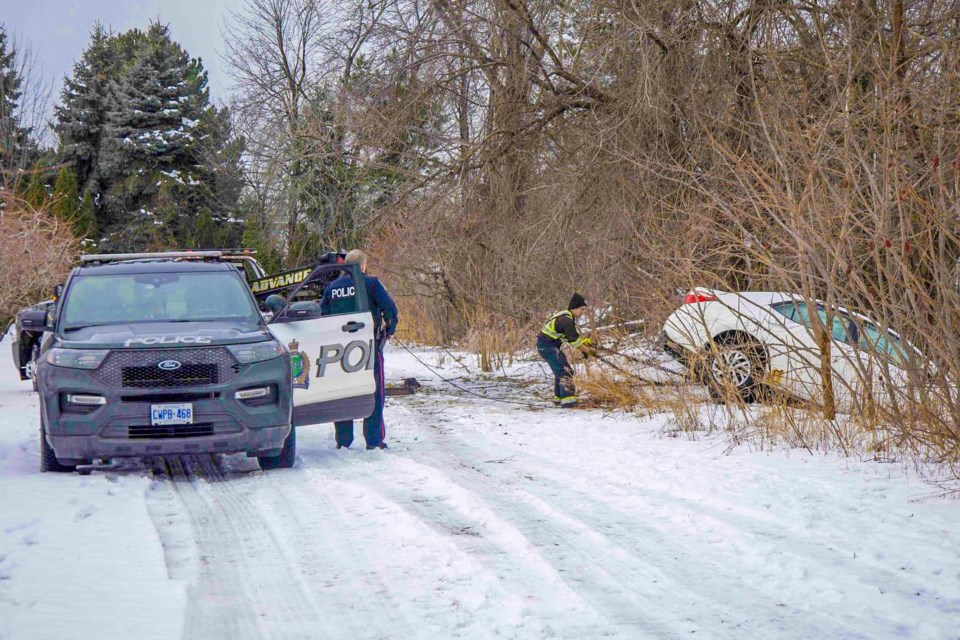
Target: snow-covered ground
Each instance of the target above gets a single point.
(484, 520)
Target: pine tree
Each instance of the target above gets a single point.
(151, 138)
(152, 112)
(14, 139)
(66, 200)
(36, 192)
(82, 112)
(155, 163)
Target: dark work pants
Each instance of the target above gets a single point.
(563, 389)
(374, 430)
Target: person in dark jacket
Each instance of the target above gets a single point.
(338, 298)
(562, 328)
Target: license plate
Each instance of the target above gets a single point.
(161, 414)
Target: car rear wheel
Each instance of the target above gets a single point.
(735, 366)
(286, 457)
(48, 459)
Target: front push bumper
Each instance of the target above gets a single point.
(122, 428)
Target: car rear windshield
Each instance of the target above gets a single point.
(157, 297)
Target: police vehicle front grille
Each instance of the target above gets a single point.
(188, 375)
(170, 431)
(138, 368)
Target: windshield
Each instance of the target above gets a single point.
(157, 297)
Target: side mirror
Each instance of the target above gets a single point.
(57, 292)
(34, 320)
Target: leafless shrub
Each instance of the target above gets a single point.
(37, 250)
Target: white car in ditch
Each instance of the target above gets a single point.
(743, 342)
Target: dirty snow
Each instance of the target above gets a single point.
(485, 519)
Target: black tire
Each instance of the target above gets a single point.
(286, 457)
(735, 365)
(48, 459)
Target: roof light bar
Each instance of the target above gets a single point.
(162, 255)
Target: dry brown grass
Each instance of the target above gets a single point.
(418, 323)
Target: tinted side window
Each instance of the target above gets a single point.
(842, 328)
(871, 338)
(786, 309)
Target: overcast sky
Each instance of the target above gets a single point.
(58, 30)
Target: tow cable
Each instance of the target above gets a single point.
(530, 405)
(644, 363)
(465, 390)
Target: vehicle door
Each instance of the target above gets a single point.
(803, 376)
(771, 329)
(332, 347)
(800, 356)
(851, 367)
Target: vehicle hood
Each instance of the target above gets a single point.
(163, 335)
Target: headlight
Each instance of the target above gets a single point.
(76, 358)
(256, 351)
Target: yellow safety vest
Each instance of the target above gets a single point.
(550, 329)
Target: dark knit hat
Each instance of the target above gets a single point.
(576, 302)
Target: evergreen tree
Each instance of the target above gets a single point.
(14, 139)
(154, 109)
(36, 192)
(155, 164)
(86, 225)
(66, 200)
(150, 147)
(220, 169)
(82, 112)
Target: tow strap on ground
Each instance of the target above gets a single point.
(408, 388)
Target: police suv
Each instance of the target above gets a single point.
(168, 353)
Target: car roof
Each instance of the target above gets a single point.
(154, 265)
(756, 297)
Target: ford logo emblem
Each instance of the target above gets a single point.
(169, 365)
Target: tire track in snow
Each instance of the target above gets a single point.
(613, 568)
(524, 582)
(768, 544)
(771, 570)
(246, 585)
(350, 594)
(532, 559)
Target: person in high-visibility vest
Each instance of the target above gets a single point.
(562, 328)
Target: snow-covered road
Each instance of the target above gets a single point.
(483, 520)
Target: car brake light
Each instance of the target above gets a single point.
(698, 296)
